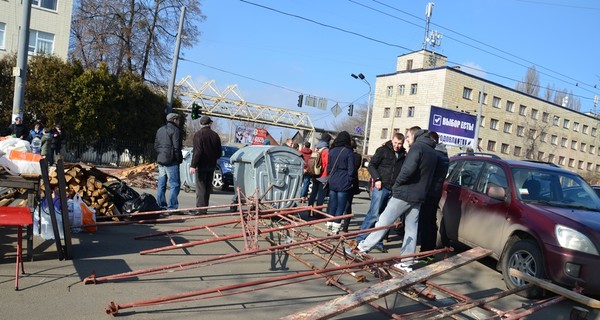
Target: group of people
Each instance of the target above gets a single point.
(206, 150)
(44, 141)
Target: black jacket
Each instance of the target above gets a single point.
(385, 166)
(414, 180)
(168, 145)
(439, 176)
(207, 149)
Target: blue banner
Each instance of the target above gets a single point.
(454, 128)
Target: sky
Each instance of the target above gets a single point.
(273, 50)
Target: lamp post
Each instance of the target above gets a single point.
(362, 77)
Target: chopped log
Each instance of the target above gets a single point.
(5, 202)
(53, 181)
(98, 185)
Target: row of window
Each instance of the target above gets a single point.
(541, 156)
(534, 114)
(390, 90)
(398, 112)
(39, 42)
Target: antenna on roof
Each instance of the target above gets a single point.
(432, 38)
(428, 12)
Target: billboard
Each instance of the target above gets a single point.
(250, 135)
(454, 128)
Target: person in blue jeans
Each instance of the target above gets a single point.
(384, 167)
(340, 167)
(168, 145)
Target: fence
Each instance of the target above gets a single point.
(111, 153)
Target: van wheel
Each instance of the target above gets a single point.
(525, 256)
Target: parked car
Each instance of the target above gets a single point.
(223, 176)
(597, 190)
(535, 217)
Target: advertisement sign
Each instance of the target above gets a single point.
(250, 135)
(454, 128)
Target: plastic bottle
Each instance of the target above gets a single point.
(36, 145)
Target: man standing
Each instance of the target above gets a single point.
(384, 167)
(17, 129)
(408, 193)
(58, 135)
(206, 152)
(168, 146)
(306, 152)
(428, 213)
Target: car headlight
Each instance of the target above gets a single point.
(228, 165)
(572, 239)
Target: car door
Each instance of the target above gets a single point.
(485, 209)
(454, 195)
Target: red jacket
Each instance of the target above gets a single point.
(306, 152)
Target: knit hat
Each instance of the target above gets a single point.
(172, 116)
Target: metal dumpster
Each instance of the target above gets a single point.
(275, 171)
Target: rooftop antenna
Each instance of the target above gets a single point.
(428, 12)
(432, 38)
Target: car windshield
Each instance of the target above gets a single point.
(227, 151)
(554, 188)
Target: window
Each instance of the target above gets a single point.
(517, 151)
(574, 144)
(545, 116)
(529, 154)
(2, 33)
(496, 102)
(504, 148)
(554, 139)
(534, 114)
(531, 134)
(494, 124)
(566, 123)
(563, 142)
(551, 158)
(561, 160)
(491, 145)
(467, 93)
(520, 131)
(598, 168)
(540, 155)
(555, 120)
(510, 106)
(398, 113)
(411, 112)
(396, 130)
(482, 100)
(594, 132)
(482, 123)
(522, 110)
(41, 42)
(576, 126)
(582, 147)
(543, 137)
(585, 129)
(386, 112)
(508, 127)
(590, 166)
(46, 4)
(384, 133)
(401, 90)
(409, 64)
(389, 91)
(580, 164)
(571, 162)
(592, 149)
(413, 88)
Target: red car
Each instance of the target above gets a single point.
(535, 217)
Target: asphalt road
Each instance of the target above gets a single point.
(53, 289)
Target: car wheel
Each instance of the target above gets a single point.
(525, 256)
(217, 182)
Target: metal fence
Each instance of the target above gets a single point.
(111, 153)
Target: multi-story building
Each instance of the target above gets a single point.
(513, 125)
(50, 24)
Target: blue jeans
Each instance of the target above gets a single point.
(395, 209)
(317, 193)
(170, 173)
(305, 183)
(379, 200)
(337, 203)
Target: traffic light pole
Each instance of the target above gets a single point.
(20, 71)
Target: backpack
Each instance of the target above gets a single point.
(314, 167)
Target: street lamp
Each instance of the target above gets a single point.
(362, 77)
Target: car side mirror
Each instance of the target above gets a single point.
(496, 192)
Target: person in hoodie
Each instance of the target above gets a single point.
(306, 152)
(340, 167)
(318, 191)
(408, 193)
(428, 212)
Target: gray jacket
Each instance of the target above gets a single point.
(168, 145)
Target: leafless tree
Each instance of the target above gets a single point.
(531, 83)
(549, 93)
(132, 35)
(566, 99)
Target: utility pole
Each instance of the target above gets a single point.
(478, 122)
(20, 71)
(175, 62)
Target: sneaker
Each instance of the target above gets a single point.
(354, 253)
(403, 267)
(380, 248)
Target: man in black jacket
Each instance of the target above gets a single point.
(206, 152)
(168, 146)
(408, 193)
(383, 168)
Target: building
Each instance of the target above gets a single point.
(513, 125)
(50, 26)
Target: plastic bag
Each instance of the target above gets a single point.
(27, 162)
(74, 208)
(88, 216)
(45, 223)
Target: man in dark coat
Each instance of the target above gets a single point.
(408, 193)
(428, 213)
(384, 167)
(168, 146)
(206, 152)
(17, 129)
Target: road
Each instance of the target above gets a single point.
(52, 289)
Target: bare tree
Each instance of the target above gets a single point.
(132, 35)
(549, 93)
(567, 100)
(350, 124)
(531, 83)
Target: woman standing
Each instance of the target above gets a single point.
(340, 166)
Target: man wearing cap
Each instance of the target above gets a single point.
(207, 149)
(168, 146)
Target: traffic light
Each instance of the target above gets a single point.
(350, 109)
(196, 111)
(300, 98)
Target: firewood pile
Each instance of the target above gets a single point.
(143, 176)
